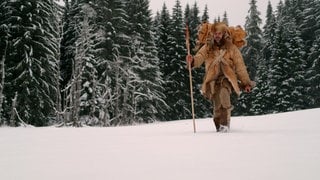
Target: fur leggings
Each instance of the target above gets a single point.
(222, 104)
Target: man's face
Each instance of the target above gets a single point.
(218, 36)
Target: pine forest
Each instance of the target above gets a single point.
(113, 62)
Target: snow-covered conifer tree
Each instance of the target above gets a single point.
(31, 63)
(144, 88)
(84, 74)
(164, 46)
(4, 36)
(251, 54)
(178, 76)
(201, 105)
(287, 85)
(309, 23)
(313, 75)
(205, 15)
(225, 18)
(261, 101)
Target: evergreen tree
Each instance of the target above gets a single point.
(303, 11)
(202, 106)
(4, 36)
(73, 53)
(287, 67)
(112, 51)
(67, 50)
(145, 93)
(178, 75)
(252, 51)
(251, 54)
(57, 26)
(308, 24)
(165, 45)
(268, 35)
(279, 10)
(261, 102)
(84, 71)
(312, 25)
(225, 18)
(31, 63)
(309, 27)
(156, 24)
(313, 76)
(194, 22)
(205, 15)
(67, 58)
(218, 19)
(187, 14)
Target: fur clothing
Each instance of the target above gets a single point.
(225, 61)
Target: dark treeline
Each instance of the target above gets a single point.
(112, 62)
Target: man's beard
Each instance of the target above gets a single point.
(218, 42)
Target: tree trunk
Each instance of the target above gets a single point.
(13, 112)
(59, 113)
(2, 72)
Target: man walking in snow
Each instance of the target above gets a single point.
(224, 68)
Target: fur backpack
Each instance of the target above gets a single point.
(236, 33)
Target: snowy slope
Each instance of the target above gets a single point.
(274, 147)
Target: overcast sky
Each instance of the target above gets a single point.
(237, 10)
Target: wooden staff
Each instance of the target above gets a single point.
(190, 77)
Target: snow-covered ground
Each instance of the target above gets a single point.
(274, 147)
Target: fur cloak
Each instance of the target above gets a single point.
(226, 60)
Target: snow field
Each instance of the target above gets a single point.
(278, 146)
